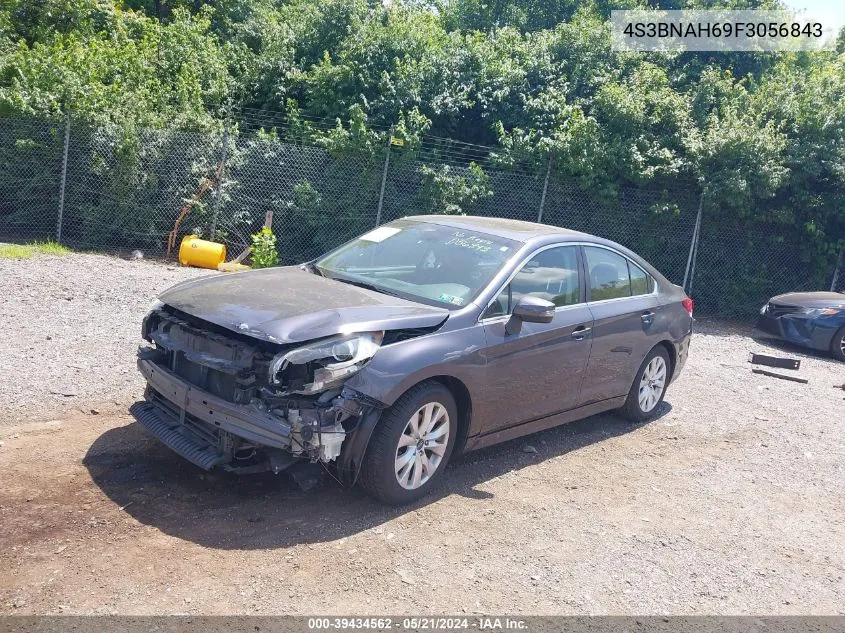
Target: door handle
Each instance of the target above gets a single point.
(647, 317)
(581, 332)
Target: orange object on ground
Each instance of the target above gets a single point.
(201, 253)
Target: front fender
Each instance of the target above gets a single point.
(397, 367)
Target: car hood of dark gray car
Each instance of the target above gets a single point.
(291, 305)
(811, 299)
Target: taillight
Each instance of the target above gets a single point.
(688, 304)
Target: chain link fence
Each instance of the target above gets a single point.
(92, 188)
(30, 173)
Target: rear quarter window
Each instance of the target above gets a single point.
(641, 282)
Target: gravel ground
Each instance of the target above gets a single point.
(730, 502)
(74, 325)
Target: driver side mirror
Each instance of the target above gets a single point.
(530, 309)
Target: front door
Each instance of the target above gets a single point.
(538, 371)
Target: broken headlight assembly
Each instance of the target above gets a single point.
(328, 363)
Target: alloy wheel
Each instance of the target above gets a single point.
(652, 384)
(422, 445)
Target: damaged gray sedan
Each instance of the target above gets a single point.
(422, 338)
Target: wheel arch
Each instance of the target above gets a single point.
(673, 356)
(836, 340)
(463, 400)
(355, 449)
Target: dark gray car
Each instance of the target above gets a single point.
(423, 337)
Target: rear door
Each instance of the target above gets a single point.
(623, 302)
(538, 371)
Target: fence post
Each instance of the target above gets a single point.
(545, 188)
(835, 281)
(693, 248)
(384, 176)
(63, 181)
(219, 189)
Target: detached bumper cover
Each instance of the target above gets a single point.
(245, 421)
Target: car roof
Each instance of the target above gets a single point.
(516, 230)
(531, 233)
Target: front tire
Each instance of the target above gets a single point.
(837, 345)
(649, 387)
(411, 445)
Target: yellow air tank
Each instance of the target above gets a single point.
(201, 253)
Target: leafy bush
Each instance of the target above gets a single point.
(454, 193)
(264, 253)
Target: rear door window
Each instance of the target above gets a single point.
(609, 277)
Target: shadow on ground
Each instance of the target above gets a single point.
(160, 489)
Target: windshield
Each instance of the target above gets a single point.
(429, 263)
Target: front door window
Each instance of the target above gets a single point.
(551, 274)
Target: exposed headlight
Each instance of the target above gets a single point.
(155, 305)
(318, 366)
(764, 309)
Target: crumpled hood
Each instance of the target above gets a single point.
(291, 305)
(811, 299)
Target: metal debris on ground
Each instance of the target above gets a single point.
(773, 374)
(774, 361)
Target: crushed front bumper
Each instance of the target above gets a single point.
(210, 431)
(245, 421)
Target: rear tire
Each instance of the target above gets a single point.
(837, 345)
(649, 387)
(411, 445)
